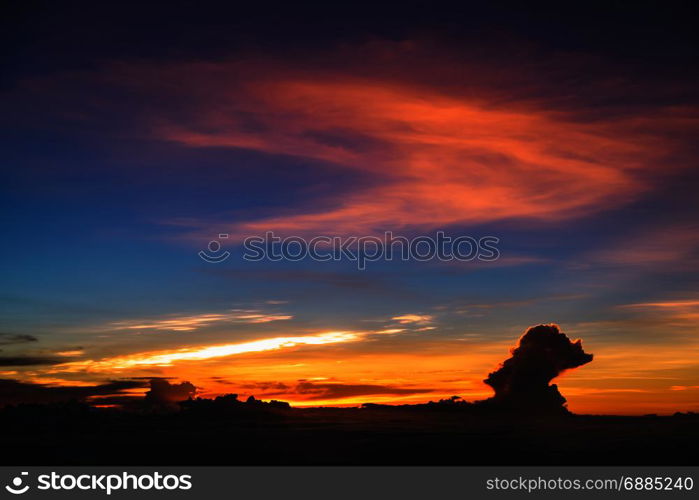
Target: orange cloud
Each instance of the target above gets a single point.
(413, 318)
(672, 310)
(681, 304)
(434, 159)
(70, 353)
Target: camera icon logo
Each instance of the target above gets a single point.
(16, 487)
(214, 247)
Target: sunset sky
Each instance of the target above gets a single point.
(132, 139)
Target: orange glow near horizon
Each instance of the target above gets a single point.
(340, 369)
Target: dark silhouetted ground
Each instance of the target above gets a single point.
(229, 432)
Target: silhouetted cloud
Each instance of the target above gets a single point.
(163, 393)
(16, 392)
(151, 378)
(542, 354)
(267, 386)
(29, 360)
(335, 390)
(11, 338)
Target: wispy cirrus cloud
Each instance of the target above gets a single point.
(420, 319)
(678, 304)
(684, 387)
(670, 246)
(194, 322)
(437, 139)
(435, 158)
(69, 353)
(670, 310)
(438, 160)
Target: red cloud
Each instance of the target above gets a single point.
(435, 158)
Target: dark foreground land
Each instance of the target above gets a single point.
(71, 434)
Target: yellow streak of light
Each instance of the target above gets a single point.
(166, 358)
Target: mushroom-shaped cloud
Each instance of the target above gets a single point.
(522, 381)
